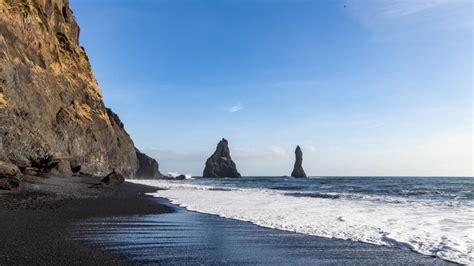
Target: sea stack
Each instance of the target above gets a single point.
(298, 168)
(220, 164)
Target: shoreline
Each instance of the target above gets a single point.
(41, 232)
(400, 246)
(229, 241)
(36, 221)
(418, 214)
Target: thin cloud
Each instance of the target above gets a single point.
(278, 151)
(201, 155)
(177, 155)
(398, 9)
(236, 108)
(273, 151)
(247, 159)
(409, 20)
(309, 148)
(395, 9)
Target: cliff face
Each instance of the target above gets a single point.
(298, 170)
(220, 163)
(148, 167)
(50, 102)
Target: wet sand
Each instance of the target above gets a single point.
(182, 237)
(61, 221)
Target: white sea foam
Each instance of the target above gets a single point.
(176, 174)
(173, 174)
(426, 227)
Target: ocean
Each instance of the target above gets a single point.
(429, 215)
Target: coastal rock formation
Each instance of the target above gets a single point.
(298, 168)
(9, 174)
(147, 167)
(62, 168)
(174, 176)
(113, 178)
(50, 102)
(220, 164)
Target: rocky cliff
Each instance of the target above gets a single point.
(50, 103)
(298, 168)
(148, 168)
(220, 163)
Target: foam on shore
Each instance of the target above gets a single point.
(430, 228)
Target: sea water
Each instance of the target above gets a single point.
(430, 215)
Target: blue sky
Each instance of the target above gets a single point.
(365, 87)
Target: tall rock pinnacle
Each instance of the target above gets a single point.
(220, 164)
(298, 168)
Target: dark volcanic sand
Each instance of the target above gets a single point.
(34, 226)
(121, 225)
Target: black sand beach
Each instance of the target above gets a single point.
(270, 75)
(122, 225)
(35, 222)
